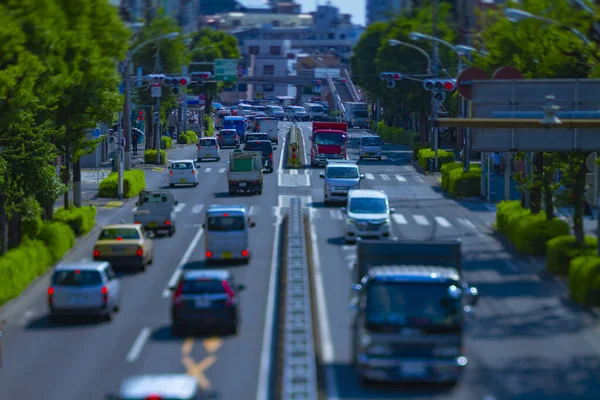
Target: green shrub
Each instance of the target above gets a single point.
(134, 182)
(150, 157)
(445, 170)
(464, 184)
(211, 128)
(394, 134)
(81, 220)
(562, 249)
(31, 217)
(20, 266)
(426, 154)
(189, 137)
(168, 142)
(58, 238)
(504, 210)
(584, 280)
(417, 145)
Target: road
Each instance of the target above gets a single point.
(344, 91)
(524, 341)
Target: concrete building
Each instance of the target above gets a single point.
(384, 10)
(270, 58)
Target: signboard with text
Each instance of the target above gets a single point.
(226, 70)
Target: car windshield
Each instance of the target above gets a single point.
(366, 205)
(361, 114)
(226, 224)
(278, 109)
(228, 133)
(207, 142)
(182, 165)
(316, 109)
(76, 278)
(411, 303)
(119, 234)
(262, 136)
(299, 110)
(202, 286)
(371, 141)
(329, 139)
(262, 146)
(342, 172)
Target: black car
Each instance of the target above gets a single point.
(266, 148)
(205, 299)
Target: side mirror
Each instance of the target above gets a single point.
(175, 202)
(356, 288)
(344, 210)
(472, 296)
(169, 167)
(241, 287)
(322, 175)
(362, 176)
(252, 224)
(392, 210)
(203, 226)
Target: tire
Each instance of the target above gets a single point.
(196, 184)
(218, 159)
(171, 185)
(151, 261)
(171, 232)
(142, 267)
(246, 261)
(259, 192)
(108, 316)
(177, 330)
(378, 158)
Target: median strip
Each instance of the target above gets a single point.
(295, 148)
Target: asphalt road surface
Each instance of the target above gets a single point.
(525, 340)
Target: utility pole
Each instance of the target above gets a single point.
(434, 103)
(127, 112)
(157, 110)
(120, 158)
(184, 73)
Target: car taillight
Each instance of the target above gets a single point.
(50, 294)
(193, 172)
(177, 295)
(140, 251)
(271, 156)
(245, 253)
(171, 173)
(198, 147)
(229, 292)
(104, 294)
(167, 222)
(96, 253)
(138, 223)
(236, 137)
(208, 254)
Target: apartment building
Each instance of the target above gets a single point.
(384, 10)
(270, 58)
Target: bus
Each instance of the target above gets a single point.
(315, 111)
(238, 123)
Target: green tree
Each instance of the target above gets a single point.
(167, 57)
(363, 59)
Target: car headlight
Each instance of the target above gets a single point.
(351, 221)
(385, 221)
(379, 350)
(328, 187)
(449, 351)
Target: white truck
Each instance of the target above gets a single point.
(356, 114)
(270, 127)
(155, 211)
(245, 172)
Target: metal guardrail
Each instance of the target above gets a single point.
(336, 95)
(353, 92)
(299, 369)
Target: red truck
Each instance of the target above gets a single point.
(329, 140)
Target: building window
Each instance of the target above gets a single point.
(331, 36)
(275, 23)
(275, 50)
(268, 88)
(268, 70)
(254, 50)
(342, 36)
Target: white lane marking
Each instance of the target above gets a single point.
(418, 178)
(369, 176)
(511, 265)
(222, 170)
(348, 247)
(400, 178)
(294, 172)
(421, 220)
(179, 207)
(186, 256)
(138, 345)
(399, 219)
(443, 222)
(466, 223)
(264, 371)
(335, 214)
(280, 166)
(197, 209)
(384, 177)
(324, 329)
(253, 210)
(304, 146)
(27, 316)
(207, 170)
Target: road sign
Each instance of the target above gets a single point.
(96, 133)
(122, 88)
(156, 91)
(180, 99)
(226, 70)
(464, 79)
(240, 71)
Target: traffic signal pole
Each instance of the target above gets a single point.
(434, 102)
(184, 72)
(127, 113)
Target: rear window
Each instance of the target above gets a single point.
(228, 133)
(77, 278)
(371, 141)
(202, 286)
(119, 234)
(182, 165)
(155, 198)
(258, 137)
(263, 147)
(207, 142)
(226, 224)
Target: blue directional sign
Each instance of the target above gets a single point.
(121, 88)
(96, 134)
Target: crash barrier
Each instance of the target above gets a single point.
(294, 148)
(299, 378)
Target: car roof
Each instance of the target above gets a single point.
(209, 138)
(259, 141)
(121, 226)
(258, 133)
(87, 265)
(218, 208)
(367, 193)
(172, 386)
(215, 274)
(180, 161)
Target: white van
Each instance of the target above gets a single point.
(370, 147)
(226, 230)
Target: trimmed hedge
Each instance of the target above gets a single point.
(530, 233)
(81, 220)
(394, 134)
(562, 250)
(584, 280)
(134, 182)
(168, 142)
(58, 238)
(424, 155)
(189, 137)
(445, 170)
(150, 157)
(464, 184)
(211, 128)
(418, 146)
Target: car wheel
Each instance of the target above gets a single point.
(171, 185)
(196, 184)
(142, 267)
(260, 192)
(218, 159)
(177, 330)
(378, 158)
(108, 316)
(170, 232)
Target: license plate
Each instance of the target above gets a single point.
(227, 255)
(182, 181)
(202, 303)
(367, 154)
(75, 298)
(207, 155)
(242, 183)
(413, 369)
(118, 250)
(152, 224)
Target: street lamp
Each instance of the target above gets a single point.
(126, 119)
(516, 15)
(460, 50)
(394, 42)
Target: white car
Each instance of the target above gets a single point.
(367, 215)
(208, 148)
(183, 172)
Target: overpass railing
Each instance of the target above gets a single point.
(353, 92)
(336, 96)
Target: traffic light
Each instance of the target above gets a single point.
(141, 115)
(156, 78)
(391, 84)
(440, 97)
(174, 81)
(201, 76)
(391, 76)
(447, 85)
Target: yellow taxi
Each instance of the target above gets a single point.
(124, 246)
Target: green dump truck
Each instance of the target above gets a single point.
(245, 172)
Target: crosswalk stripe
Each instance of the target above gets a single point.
(253, 210)
(399, 219)
(221, 170)
(421, 220)
(348, 247)
(369, 176)
(384, 177)
(466, 223)
(418, 178)
(207, 170)
(197, 209)
(179, 207)
(336, 214)
(400, 178)
(294, 172)
(443, 222)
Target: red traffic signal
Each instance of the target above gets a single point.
(184, 81)
(141, 115)
(391, 76)
(202, 75)
(450, 85)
